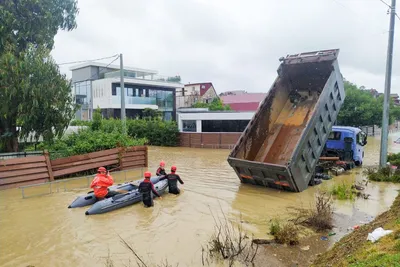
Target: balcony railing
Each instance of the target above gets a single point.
(132, 100)
(154, 77)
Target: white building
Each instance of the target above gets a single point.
(202, 120)
(98, 85)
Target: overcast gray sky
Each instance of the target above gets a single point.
(234, 44)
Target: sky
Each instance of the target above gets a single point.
(233, 44)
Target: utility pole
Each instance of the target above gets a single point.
(122, 85)
(388, 81)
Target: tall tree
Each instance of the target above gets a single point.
(33, 92)
(24, 22)
(361, 108)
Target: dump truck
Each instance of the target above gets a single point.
(282, 143)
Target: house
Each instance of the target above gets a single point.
(98, 85)
(396, 99)
(193, 93)
(243, 102)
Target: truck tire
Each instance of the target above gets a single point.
(358, 163)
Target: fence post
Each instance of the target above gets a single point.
(146, 155)
(48, 163)
(121, 155)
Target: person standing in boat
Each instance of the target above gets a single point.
(161, 170)
(101, 182)
(173, 179)
(146, 188)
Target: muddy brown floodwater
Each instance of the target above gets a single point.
(42, 231)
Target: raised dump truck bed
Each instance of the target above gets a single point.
(281, 145)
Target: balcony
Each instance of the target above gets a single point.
(152, 77)
(134, 100)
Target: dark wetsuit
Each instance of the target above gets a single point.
(160, 172)
(146, 187)
(173, 182)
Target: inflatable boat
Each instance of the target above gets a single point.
(127, 199)
(90, 198)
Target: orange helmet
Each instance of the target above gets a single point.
(162, 163)
(173, 169)
(101, 169)
(147, 174)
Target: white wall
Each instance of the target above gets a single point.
(198, 117)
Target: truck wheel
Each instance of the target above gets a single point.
(358, 163)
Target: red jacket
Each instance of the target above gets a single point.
(100, 184)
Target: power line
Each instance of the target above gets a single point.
(385, 3)
(88, 60)
(100, 71)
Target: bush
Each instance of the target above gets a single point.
(87, 141)
(343, 191)
(157, 132)
(287, 233)
(385, 174)
(320, 217)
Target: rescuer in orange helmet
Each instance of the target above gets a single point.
(101, 182)
(173, 179)
(145, 188)
(161, 170)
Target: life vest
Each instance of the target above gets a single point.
(100, 185)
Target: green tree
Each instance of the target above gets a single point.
(216, 104)
(174, 79)
(35, 94)
(149, 113)
(361, 108)
(97, 120)
(34, 22)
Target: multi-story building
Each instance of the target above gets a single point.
(193, 93)
(244, 101)
(98, 85)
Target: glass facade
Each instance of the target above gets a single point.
(148, 95)
(227, 126)
(83, 96)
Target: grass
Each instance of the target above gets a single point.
(343, 191)
(355, 250)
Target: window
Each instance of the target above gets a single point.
(335, 136)
(229, 126)
(114, 91)
(189, 126)
(130, 91)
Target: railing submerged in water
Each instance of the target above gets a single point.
(12, 155)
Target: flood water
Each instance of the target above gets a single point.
(42, 231)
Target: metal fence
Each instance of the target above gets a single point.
(12, 155)
(64, 185)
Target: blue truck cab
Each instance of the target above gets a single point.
(347, 143)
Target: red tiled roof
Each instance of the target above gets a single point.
(243, 98)
(249, 106)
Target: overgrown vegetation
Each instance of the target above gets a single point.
(385, 174)
(285, 233)
(155, 131)
(318, 217)
(229, 243)
(216, 104)
(355, 250)
(87, 141)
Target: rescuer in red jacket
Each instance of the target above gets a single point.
(101, 182)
